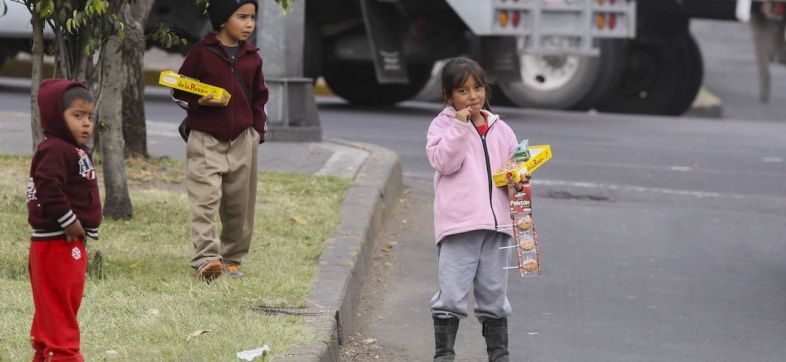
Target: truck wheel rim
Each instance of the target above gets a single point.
(548, 72)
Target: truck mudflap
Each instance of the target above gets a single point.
(538, 21)
(385, 44)
(500, 57)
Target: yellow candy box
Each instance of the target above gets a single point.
(172, 79)
(539, 155)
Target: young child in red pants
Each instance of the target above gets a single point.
(64, 207)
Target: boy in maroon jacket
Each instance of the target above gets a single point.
(221, 151)
(63, 208)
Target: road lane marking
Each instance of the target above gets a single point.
(640, 189)
(681, 168)
(772, 159)
(612, 187)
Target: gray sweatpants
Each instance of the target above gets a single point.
(472, 259)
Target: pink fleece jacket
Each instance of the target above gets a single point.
(465, 197)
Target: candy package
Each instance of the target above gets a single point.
(174, 80)
(526, 162)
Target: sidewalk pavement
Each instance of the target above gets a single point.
(335, 293)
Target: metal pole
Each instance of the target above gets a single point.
(292, 111)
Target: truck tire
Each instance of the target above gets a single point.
(567, 82)
(357, 83)
(662, 76)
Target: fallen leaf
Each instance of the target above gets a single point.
(197, 333)
(300, 219)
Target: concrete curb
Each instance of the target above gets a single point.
(347, 257)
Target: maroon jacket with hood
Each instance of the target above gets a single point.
(62, 187)
(203, 64)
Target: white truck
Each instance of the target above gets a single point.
(633, 56)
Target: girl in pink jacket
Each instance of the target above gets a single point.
(466, 142)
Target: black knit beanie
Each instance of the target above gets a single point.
(220, 10)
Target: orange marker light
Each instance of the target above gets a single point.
(600, 21)
(504, 18)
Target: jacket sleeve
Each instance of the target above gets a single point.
(190, 68)
(447, 144)
(49, 178)
(259, 100)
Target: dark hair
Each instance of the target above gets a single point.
(74, 93)
(456, 72)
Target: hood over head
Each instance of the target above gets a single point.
(50, 104)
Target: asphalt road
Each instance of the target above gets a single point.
(661, 238)
(730, 71)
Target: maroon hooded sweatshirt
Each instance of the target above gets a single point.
(62, 187)
(213, 66)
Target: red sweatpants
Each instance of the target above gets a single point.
(57, 275)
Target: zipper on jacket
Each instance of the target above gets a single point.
(231, 61)
(488, 172)
(232, 69)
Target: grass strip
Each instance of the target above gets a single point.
(148, 301)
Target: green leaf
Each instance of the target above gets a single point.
(286, 6)
(45, 8)
(98, 6)
(122, 32)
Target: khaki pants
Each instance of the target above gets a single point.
(221, 176)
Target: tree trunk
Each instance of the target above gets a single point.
(117, 204)
(134, 128)
(36, 78)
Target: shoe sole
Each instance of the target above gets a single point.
(211, 272)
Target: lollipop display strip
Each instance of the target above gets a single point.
(525, 237)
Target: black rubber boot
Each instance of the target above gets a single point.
(496, 333)
(445, 330)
